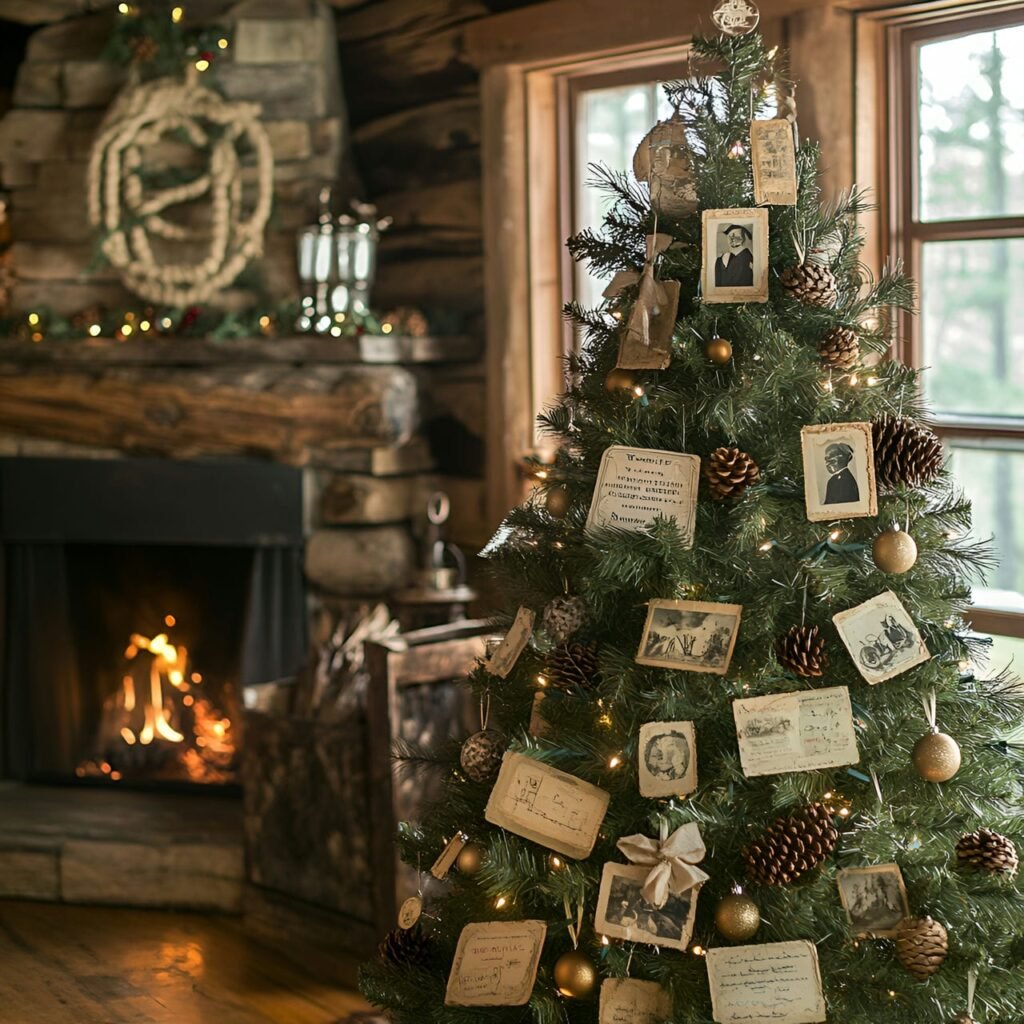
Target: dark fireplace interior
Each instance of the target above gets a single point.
(141, 596)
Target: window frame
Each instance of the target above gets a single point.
(892, 40)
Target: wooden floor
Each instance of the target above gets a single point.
(86, 965)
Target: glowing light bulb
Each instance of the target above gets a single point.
(222, 43)
(177, 13)
(202, 64)
(387, 328)
(615, 761)
(500, 903)
(33, 319)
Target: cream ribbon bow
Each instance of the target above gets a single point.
(651, 296)
(673, 862)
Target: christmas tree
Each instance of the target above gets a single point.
(739, 764)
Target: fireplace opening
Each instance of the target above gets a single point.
(137, 605)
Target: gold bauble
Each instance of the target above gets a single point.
(575, 974)
(470, 858)
(936, 757)
(557, 502)
(894, 551)
(737, 917)
(718, 350)
(620, 380)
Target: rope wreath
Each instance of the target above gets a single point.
(143, 239)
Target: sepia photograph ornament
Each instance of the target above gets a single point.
(921, 946)
(663, 159)
(729, 472)
(481, 755)
(557, 502)
(894, 551)
(563, 616)
(936, 756)
(802, 651)
(792, 846)
(735, 17)
(737, 916)
(575, 974)
(718, 350)
(985, 850)
(471, 859)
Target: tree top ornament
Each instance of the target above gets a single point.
(165, 186)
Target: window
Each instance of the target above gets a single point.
(957, 217)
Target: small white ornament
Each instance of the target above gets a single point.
(735, 17)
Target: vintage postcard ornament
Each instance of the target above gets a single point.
(881, 638)
(735, 17)
(496, 963)
(692, 636)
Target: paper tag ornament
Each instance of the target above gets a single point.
(776, 981)
(646, 339)
(496, 964)
(409, 912)
(504, 658)
(448, 856)
(631, 1001)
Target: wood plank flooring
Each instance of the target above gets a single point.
(89, 965)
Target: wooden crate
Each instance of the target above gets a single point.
(323, 800)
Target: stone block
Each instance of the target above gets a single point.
(348, 500)
(369, 560)
(55, 210)
(284, 91)
(67, 297)
(34, 135)
(17, 174)
(65, 261)
(278, 40)
(81, 132)
(91, 83)
(29, 874)
(290, 140)
(74, 38)
(327, 136)
(38, 84)
(184, 875)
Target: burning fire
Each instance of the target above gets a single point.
(161, 706)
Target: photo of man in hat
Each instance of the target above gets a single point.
(842, 486)
(734, 268)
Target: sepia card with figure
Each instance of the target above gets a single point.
(795, 732)
(777, 981)
(632, 1001)
(734, 255)
(839, 471)
(773, 157)
(875, 899)
(667, 759)
(637, 485)
(623, 913)
(495, 963)
(693, 636)
(881, 637)
(547, 806)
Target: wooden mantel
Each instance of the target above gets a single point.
(291, 399)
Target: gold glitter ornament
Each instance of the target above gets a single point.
(575, 974)
(737, 917)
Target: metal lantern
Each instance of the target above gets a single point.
(317, 269)
(356, 237)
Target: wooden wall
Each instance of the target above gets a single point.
(414, 107)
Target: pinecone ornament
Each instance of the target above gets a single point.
(905, 452)
(405, 947)
(571, 666)
(792, 846)
(921, 946)
(563, 616)
(481, 755)
(986, 850)
(840, 348)
(802, 651)
(144, 49)
(813, 284)
(729, 472)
